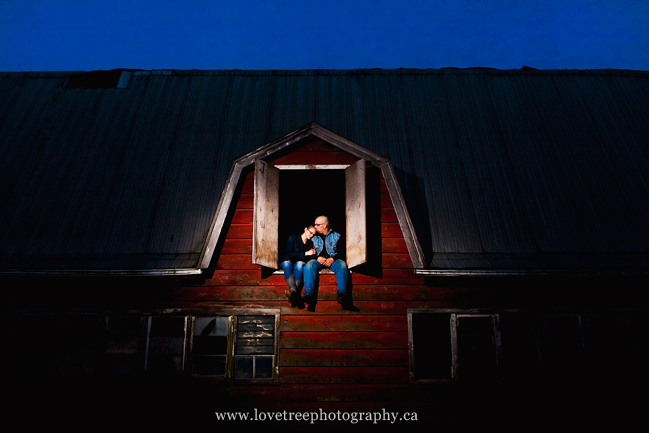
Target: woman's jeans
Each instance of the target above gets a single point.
(296, 268)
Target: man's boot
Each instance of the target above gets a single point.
(345, 301)
(309, 300)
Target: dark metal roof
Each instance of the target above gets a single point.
(499, 169)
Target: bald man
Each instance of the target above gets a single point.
(327, 256)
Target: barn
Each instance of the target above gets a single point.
(494, 223)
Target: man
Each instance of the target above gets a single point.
(328, 255)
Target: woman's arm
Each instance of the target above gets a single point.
(292, 249)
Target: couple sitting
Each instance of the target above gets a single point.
(306, 254)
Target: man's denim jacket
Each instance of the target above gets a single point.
(331, 240)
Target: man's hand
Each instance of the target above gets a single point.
(321, 260)
(328, 262)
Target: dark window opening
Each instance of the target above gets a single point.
(617, 344)
(476, 348)
(564, 348)
(431, 334)
(210, 346)
(78, 345)
(520, 346)
(122, 336)
(306, 194)
(455, 346)
(166, 345)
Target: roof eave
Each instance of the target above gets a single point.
(532, 272)
(101, 272)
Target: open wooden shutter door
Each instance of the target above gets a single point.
(355, 214)
(265, 232)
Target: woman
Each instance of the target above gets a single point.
(298, 248)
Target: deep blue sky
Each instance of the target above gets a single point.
(43, 35)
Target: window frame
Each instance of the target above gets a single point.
(549, 355)
(454, 314)
(265, 237)
(147, 340)
(188, 341)
(233, 315)
(190, 345)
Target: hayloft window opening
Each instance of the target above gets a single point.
(453, 346)
(287, 200)
(302, 199)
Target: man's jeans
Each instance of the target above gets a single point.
(339, 267)
(297, 268)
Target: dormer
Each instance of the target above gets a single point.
(327, 174)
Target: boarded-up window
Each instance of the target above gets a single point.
(254, 347)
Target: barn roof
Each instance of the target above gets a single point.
(501, 170)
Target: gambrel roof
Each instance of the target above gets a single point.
(502, 171)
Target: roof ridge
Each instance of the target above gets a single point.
(525, 70)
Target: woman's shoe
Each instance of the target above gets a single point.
(292, 288)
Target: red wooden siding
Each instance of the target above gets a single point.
(315, 151)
